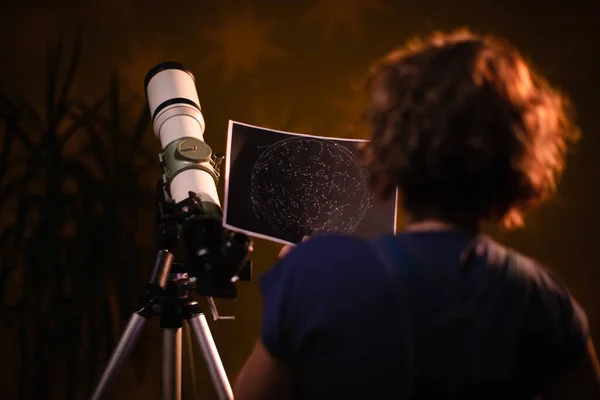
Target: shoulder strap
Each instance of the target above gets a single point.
(393, 255)
(397, 262)
(519, 278)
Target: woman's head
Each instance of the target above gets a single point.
(465, 130)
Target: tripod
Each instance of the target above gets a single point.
(169, 289)
(168, 296)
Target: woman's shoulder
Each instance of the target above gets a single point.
(327, 257)
(336, 244)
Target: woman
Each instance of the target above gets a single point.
(469, 134)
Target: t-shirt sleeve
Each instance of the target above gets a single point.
(556, 327)
(305, 292)
(291, 290)
(274, 286)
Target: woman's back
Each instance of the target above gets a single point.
(464, 319)
(465, 132)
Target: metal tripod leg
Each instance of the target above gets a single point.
(126, 343)
(151, 306)
(210, 354)
(171, 364)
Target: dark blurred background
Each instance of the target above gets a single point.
(78, 158)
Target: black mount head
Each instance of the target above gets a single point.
(213, 257)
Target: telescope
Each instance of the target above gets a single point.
(195, 255)
(189, 212)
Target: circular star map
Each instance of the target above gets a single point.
(303, 186)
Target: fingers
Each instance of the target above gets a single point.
(286, 249)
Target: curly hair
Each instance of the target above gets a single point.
(464, 128)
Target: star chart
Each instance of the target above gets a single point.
(303, 186)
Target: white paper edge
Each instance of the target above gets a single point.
(226, 182)
(231, 122)
(258, 235)
(395, 211)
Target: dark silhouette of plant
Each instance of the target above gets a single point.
(71, 196)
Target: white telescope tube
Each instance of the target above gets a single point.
(176, 114)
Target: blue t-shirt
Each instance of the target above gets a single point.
(463, 320)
